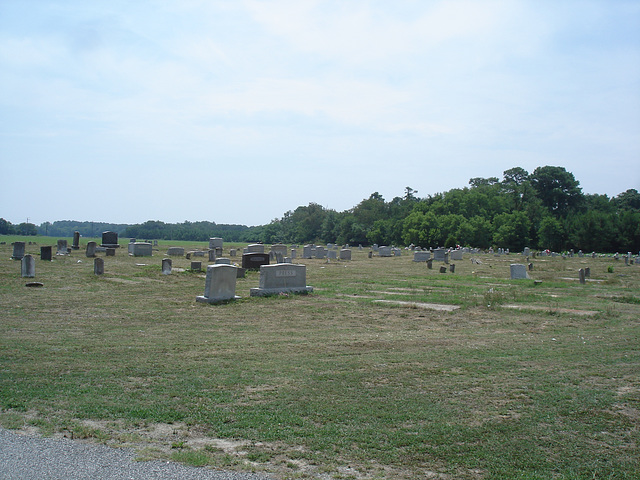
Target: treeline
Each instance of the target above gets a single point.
(543, 209)
(193, 231)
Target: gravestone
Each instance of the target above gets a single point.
(110, 239)
(282, 278)
(98, 266)
(155, 243)
(526, 252)
(446, 257)
(166, 266)
(198, 253)
(345, 254)
(370, 254)
(142, 249)
(215, 242)
(306, 251)
(196, 266)
(443, 269)
(18, 250)
(110, 252)
(91, 249)
(332, 254)
(530, 266)
(438, 254)
(419, 256)
(518, 271)
(384, 251)
(220, 284)
(294, 253)
(177, 251)
(28, 266)
(254, 260)
(456, 254)
(76, 241)
(320, 252)
(581, 276)
(452, 268)
(212, 255)
(587, 272)
(255, 248)
(279, 248)
(430, 263)
(232, 252)
(62, 248)
(223, 261)
(45, 253)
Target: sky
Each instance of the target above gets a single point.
(238, 111)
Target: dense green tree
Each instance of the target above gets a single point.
(26, 229)
(629, 200)
(511, 230)
(551, 234)
(558, 189)
(6, 228)
(515, 184)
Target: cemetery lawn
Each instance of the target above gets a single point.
(522, 380)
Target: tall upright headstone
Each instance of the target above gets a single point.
(166, 266)
(45, 253)
(28, 266)
(581, 276)
(220, 284)
(98, 266)
(18, 250)
(76, 241)
(62, 247)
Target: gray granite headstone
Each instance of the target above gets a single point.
(166, 266)
(62, 247)
(28, 266)
(345, 254)
(98, 266)
(255, 248)
(91, 249)
(18, 250)
(220, 284)
(215, 242)
(142, 249)
(282, 278)
(518, 271)
(419, 256)
(177, 251)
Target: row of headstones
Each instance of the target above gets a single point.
(439, 255)
(282, 278)
(519, 272)
(28, 266)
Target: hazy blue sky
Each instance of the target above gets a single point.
(237, 111)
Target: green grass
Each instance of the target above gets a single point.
(333, 383)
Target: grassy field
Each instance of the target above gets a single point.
(368, 377)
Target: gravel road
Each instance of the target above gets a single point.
(25, 457)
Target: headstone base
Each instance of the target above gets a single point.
(214, 300)
(263, 292)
